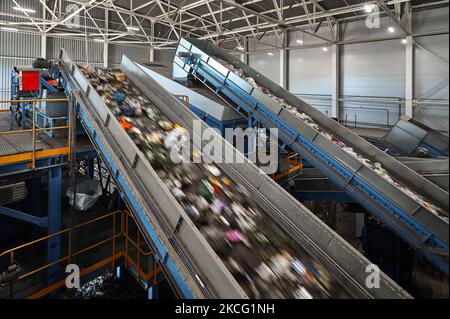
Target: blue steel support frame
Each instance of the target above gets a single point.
(153, 292)
(244, 101)
(54, 222)
(39, 221)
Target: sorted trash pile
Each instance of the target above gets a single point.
(265, 261)
(376, 167)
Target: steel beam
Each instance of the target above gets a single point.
(54, 222)
(39, 221)
(409, 76)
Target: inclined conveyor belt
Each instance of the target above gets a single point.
(187, 258)
(421, 221)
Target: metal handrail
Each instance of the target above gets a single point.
(35, 130)
(295, 164)
(124, 217)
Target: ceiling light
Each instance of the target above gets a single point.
(270, 53)
(240, 48)
(99, 40)
(391, 29)
(9, 29)
(300, 41)
(24, 10)
(325, 49)
(133, 29)
(405, 41)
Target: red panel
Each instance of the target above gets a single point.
(30, 80)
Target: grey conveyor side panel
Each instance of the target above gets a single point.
(315, 236)
(379, 196)
(161, 209)
(397, 169)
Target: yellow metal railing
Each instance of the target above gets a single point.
(295, 165)
(111, 260)
(34, 155)
(185, 98)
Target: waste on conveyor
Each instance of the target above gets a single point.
(376, 167)
(264, 260)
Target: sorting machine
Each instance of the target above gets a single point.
(415, 223)
(187, 259)
(40, 81)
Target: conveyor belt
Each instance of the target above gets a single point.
(416, 223)
(409, 136)
(188, 260)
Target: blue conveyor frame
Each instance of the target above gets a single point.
(187, 259)
(419, 227)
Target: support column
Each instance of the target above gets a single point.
(106, 54)
(106, 44)
(44, 46)
(409, 93)
(152, 48)
(336, 85)
(54, 222)
(44, 37)
(284, 71)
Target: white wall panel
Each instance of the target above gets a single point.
(138, 53)
(15, 49)
(267, 65)
(429, 71)
(164, 56)
(310, 71)
(431, 20)
(374, 69)
(80, 50)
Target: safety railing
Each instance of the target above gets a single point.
(120, 234)
(184, 98)
(34, 154)
(294, 167)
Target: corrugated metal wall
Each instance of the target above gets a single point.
(310, 71)
(81, 51)
(269, 65)
(429, 70)
(138, 53)
(15, 49)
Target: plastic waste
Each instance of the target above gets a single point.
(88, 193)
